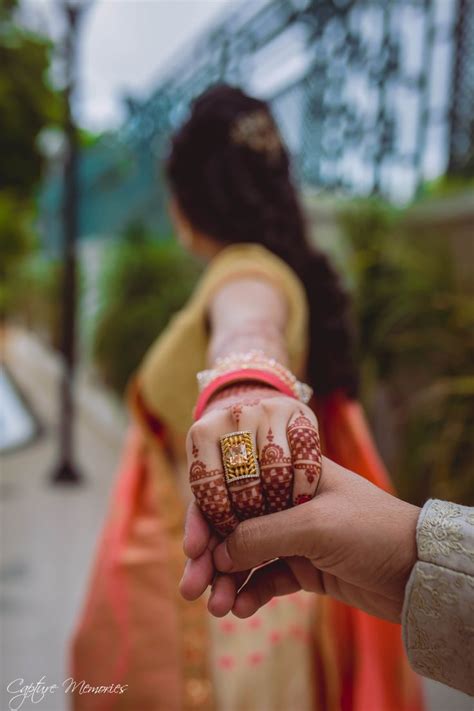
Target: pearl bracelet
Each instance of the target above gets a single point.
(254, 360)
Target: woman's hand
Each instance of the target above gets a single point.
(286, 440)
(353, 541)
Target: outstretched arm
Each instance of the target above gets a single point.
(249, 314)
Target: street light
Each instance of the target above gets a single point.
(66, 471)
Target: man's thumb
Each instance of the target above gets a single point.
(257, 540)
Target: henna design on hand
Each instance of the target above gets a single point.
(247, 498)
(236, 411)
(210, 492)
(302, 499)
(277, 475)
(240, 390)
(305, 446)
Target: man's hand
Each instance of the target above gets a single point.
(353, 541)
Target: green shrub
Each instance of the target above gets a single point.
(416, 329)
(35, 298)
(439, 436)
(145, 281)
(17, 243)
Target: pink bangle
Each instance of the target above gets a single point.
(238, 376)
(254, 360)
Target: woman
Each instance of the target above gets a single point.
(269, 298)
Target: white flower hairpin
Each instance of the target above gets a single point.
(257, 131)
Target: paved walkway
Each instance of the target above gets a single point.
(49, 532)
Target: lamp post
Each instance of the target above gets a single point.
(66, 471)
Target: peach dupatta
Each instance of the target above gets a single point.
(135, 631)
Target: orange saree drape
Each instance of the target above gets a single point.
(131, 631)
(129, 609)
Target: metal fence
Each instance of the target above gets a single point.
(372, 96)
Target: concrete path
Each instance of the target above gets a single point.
(49, 532)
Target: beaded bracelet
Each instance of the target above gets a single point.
(256, 360)
(254, 366)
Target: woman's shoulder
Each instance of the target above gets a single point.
(249, 260)
(245, 252)
(167, 375)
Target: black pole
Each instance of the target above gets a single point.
(461, 121)
(66, 470)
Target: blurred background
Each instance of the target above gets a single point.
(375, 100)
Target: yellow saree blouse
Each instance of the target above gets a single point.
(167, 377)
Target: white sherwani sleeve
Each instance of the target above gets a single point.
(438, 612)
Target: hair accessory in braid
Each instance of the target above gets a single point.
(256, 131)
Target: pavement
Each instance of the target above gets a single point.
(48, 532)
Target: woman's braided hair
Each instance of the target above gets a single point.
(230, 175)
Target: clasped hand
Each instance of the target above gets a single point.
(352, 541)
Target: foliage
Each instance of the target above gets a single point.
(439, 437)
(144, 282)
(35, 297)
(16, 243)
(444, 186)
(416, 339)
(27, 105)
(88, 139)
(375, 273)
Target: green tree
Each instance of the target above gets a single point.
(145, 281)
(416, 325)
(28, 104)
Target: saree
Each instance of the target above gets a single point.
(300, 652)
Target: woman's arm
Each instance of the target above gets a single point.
(248, 314)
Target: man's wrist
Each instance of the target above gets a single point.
(408, 548)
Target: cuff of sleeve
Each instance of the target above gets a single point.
(438, 637)
(445, 536)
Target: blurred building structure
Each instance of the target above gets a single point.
(461, 135)
(372, 98)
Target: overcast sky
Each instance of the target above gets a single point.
(125, 44)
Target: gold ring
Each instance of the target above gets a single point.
(239, 456)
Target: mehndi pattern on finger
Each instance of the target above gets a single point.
(303, 437)
(247, 498)
(242, 474)
(211, 495)
(277, 475)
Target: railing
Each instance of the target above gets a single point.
(372, 97)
